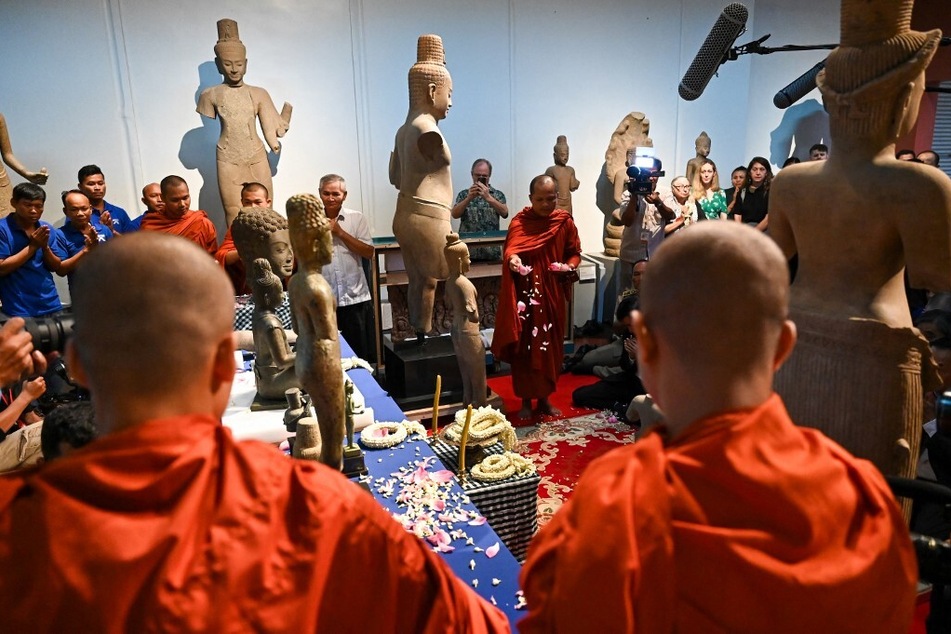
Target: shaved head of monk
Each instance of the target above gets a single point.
(712, 327)
(152, 337)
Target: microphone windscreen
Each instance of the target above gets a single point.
(798, 88)
(725, 30)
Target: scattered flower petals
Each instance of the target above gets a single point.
(535, 331)
(524, 270)
(559, 267)
(477, 549)
(520, 306)
(475, 583)
(492, 599)
(534, 302)
(478, 521)
(472, 564)
(495, 581)
(492, 550)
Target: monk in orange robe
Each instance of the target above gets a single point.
(252, 195)
(729, 518)
(166, 523)
(178, 220)
(530, 320)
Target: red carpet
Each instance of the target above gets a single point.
(562, 449)
(561, 398)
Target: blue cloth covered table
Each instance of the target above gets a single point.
(383, 462)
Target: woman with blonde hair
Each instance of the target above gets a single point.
(706, 191)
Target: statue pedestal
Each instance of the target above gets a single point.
(411, 371)
(353, 463)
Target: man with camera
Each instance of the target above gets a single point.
(480, 208)
(641, 238)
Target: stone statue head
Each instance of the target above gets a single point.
(231, 57)
(702, 144)
(872, 83)
(261, 232)
(457, 255)
(310, 230)
(267, 288)
(430, 86)
(561, 150)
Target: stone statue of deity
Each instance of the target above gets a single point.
(274, 361)
(261, 238)
(419, 169)
(242, 157)
(632, 132)
(564, 176)
(702, 148)
(466, 339)
(6, 153)
(314, 317)
(859, 369)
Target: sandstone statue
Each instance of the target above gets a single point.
(702, 149)
(242, 157)
(419, 169)
(466, 339)
(859, 222)
(6, 153)
(314, 317)
(563, 174)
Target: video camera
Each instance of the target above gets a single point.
(640, 172)
(49, 333)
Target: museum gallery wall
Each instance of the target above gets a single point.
(115, 82)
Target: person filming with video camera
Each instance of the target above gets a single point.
(640, 239)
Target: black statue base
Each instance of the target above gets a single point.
(353, 464)
(261, 404)
(411, 369)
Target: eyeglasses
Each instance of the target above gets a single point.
(681, 186)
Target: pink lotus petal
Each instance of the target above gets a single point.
(524, 270)
(447, 518)
(442, 536)
(379, 432)
(558, 267)
(534, 302)
(535, 331)
(520, 306)
(444, 548)
(479, 521)
(492, 550)
(443, 476)
(438, 504)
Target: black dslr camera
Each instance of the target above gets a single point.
(640, 172)
(49, 333)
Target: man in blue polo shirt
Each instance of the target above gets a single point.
(29, 251)
(80, 232)
(93, 184)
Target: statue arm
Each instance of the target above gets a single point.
(779, 229)
(574, 183)
(926, 238)
(206, 104)
(620, 180)
(395, 170)
(272, 124)
(277, 346)
(430, 144)
(6, 152)
(472, 308)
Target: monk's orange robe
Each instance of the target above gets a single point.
(173, 526)
(531, 339)
(235, 270)
(194, 225)
(743, 523)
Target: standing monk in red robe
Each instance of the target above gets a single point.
(166, 523)
(178, 220)
(729, 518)
(542, 251)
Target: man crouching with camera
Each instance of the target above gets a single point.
(19, 435)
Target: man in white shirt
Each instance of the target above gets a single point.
(352, 244)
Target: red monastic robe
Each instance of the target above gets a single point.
(235, 271)
(194, 226)
(171, 525)
(531, 340)
(743, 523)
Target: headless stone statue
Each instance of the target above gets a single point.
(419, 169)
(314, 316)
(242, 157)
(564, 176)
(859, 222)
(702, 147)
(273, 359)
(466, 339)
(6, 187)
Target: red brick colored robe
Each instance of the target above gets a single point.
(235, 271)
(744, 523)
(531, 341)
(171, 525)
(194, 225)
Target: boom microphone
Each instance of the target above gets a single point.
(728, 27)
(798, 88)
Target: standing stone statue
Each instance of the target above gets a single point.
(564, 176)
(314, 316)
(632, 132)
(702, 147)
(242, 157)
(419, 169)
(466, 339)
(274, 361)
(6, 187)
(859, 222)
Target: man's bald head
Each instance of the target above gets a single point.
(718, 296)
(151, 309)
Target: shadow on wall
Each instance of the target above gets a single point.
(802, 126)
(198, 151)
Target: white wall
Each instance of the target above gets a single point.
(114, 82)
